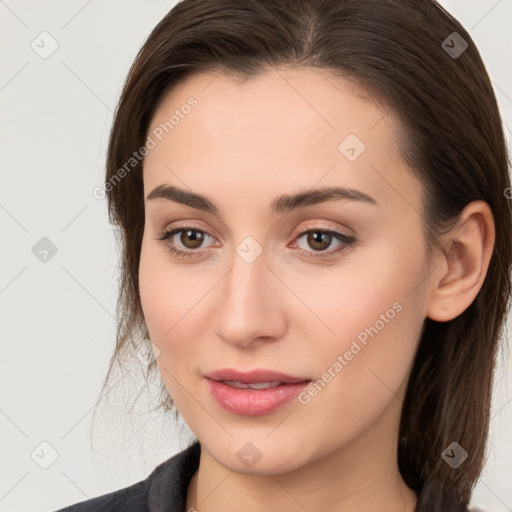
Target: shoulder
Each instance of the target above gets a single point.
(131, 498)
(166, 486)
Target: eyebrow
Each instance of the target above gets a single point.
(282, 204)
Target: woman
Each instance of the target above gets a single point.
(312, 197)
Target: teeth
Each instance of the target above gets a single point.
(252, 385)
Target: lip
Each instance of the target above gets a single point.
(256, 375)
(253, 402)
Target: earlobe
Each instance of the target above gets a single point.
(463, 264)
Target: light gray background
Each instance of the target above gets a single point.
(58, 326)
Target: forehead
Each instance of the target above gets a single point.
(313, 98)
(289, 126)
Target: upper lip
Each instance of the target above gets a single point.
(257, 375)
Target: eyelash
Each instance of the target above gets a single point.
(348, 241)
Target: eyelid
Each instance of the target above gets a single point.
(318, 226)
(346, 239)
(168, 233)
(184, 226)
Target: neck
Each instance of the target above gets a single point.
(360, 475)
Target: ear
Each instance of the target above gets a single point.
(462, 265)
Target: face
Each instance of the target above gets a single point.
(327, 288)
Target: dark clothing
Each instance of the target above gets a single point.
(165, 490)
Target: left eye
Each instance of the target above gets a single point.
(192, 239)
(320, 239)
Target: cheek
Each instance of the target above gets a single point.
(166, 293)
(366, 289)
(156, 294)
(166, 297)
(374, 309)
(173, 300)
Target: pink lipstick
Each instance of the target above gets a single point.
(253, 393)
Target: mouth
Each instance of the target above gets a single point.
(251, 385)
(256, 376)
(253, 393)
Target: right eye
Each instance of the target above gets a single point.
(190, 237)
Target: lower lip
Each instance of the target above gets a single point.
(254, 402)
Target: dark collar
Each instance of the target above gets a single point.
(168, 486)
(169, 481)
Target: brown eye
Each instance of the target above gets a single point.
(185, 241)
(191, 238)
(319, 240)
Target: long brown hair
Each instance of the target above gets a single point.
(404, 53)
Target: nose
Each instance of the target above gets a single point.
(251, 304)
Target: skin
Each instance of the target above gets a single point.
(243, 146)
